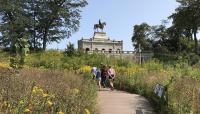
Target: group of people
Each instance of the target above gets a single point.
(103, 75)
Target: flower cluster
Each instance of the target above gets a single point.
(85, 69)
(87, 111)
(74, 91)
(4, 65)
(128, 71)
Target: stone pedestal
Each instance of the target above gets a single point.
(100, 36)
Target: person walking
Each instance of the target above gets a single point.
(104, 74)
(94, 71)
(98, 78)
(111, 75)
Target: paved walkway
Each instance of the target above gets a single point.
(119, 102)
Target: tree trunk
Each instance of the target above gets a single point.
(34, 42)
(34, 35)
(195, 39)
(189, 34)
(45, 39)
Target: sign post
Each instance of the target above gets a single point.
(159, 90)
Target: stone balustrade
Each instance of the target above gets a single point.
(111, 52)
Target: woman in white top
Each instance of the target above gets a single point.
(93, 71)
(111, 74)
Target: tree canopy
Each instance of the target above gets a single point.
(181, 36)
(141, 36)
(39, 21)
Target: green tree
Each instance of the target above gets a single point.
(70, 51)
(141, 36)
(45, 21)
(14, 29)
(14, 21)
(57, 19)
(187, 19)
(160, 38)
(159, 32)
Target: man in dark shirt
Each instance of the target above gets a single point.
(104, 74)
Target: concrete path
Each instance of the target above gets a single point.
(119, 102)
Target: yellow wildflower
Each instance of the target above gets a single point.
(35, 88)
(75, 91)
(49, 103)
(87, 111)
(8, 105)
(85, 69)
(34, 91)
(40, 90)
(4, 65)
(27, 110)
(61, 112)
(45, 95)
(21, 102)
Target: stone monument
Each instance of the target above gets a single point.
(100, 42)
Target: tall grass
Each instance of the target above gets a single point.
(40, 91)
(4, 56)
(182, 83)
(58, 60)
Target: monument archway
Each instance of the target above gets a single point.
(87, 49)
(110, 50)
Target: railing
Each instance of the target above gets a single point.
(111, 52)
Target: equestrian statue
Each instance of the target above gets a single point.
(101, 26)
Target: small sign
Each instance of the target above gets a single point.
(159, 90)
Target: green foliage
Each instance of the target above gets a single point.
(186, 45)
(180, 37)
(48, 59)
(72, 63)
(70, 51)
(21, 49)
(153, 65)
(186, 19)
(43, 21)
(141, 36)
(14, 22)
(4, 56)
(193, 59)
(123, 63)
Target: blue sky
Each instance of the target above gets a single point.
(120, 17)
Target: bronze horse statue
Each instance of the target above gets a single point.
(100, 25)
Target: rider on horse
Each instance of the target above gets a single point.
(100, 25)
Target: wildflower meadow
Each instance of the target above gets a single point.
(55, 83)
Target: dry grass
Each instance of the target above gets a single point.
(183, 89)
(34, 90)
